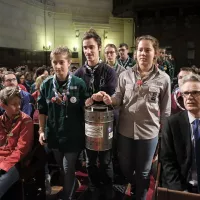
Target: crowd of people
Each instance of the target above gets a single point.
(149, 114)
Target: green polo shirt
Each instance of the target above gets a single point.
(65, 123)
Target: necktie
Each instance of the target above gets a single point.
(196, 133)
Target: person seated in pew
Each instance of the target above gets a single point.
(9, 79)
(180, 143)
(16, 137)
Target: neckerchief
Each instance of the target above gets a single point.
(124, 63)
(65, 92)
(140, 80)
(114, 66)
(8, 130)
(92, 70)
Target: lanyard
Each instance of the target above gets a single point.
(3, 124)
(65, 92)
(124, 63)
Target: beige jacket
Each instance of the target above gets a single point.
(143, 108)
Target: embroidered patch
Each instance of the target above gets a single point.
(153, 94)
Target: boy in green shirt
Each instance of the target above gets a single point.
(61, 116)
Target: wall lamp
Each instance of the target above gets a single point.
(48, 47)
(105, 34)
(77, 33)
(75, 49)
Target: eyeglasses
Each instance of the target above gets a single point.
(10, 80)
(109, 52)
(192, 93)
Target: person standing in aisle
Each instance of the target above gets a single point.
(98, 76)
(61, 116)
(144, 94)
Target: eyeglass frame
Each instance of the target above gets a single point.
(109, 52)
(10, 80)
(194, 94)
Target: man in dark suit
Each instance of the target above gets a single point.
(180, 143)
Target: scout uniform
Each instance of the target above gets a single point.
(146, 103)
(99, 78)
(65, 123)
(129, 62)
(16, 139)
(118, 68)
(166, 66)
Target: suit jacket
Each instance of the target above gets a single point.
(176, 151)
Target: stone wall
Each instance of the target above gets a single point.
(30, 24)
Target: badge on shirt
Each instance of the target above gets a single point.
(73, 99)
(153, 94)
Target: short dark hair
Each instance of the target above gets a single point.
(91, 33)
(40, 71)
(123, 45)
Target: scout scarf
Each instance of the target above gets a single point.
(92, 70)
(8, 131)
(124, 63)
(140, 80)
(61, 98)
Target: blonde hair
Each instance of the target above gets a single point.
(39, 81)
(61, 50)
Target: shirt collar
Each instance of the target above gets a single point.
(191, 118)
(154, 68)
(6, 118)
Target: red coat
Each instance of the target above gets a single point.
(22, 87)
(19, 143)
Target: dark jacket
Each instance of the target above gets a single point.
(176, 151)
(105, 78)
(65, 123)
